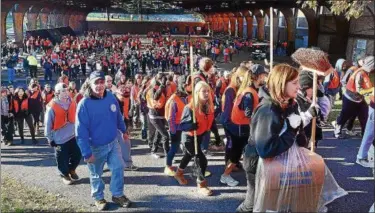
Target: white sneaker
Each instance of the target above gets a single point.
(351, 133)
(365, 163)
(227, 179)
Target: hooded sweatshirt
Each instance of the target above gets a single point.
(97, 122)
(62, 135)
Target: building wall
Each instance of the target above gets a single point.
(141, 27)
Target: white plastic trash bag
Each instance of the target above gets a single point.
(295, 181)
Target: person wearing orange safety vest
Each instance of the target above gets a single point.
(173, 112)
(59, 130)
(245, 103)
(123, 97)
(156, 100)
(35, 104)
(353, 103)
(204, 115)
(134, 99)
(226, 54)
(332, 82)
(221, 85)
(171, 87)
(226, 110)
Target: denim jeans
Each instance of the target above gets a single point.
(125, 149)
(206, 140)
(143, 118)
(68, 156)
(110, 153)
(368, 136)
(175, 143)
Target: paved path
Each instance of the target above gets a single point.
(152, 191)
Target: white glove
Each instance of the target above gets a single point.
(294, 120)
(10, 115)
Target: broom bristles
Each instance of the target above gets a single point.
(311, 58)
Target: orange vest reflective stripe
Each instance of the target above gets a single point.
(63, 117)
(335, 81)
(204, 121)
(126, 107)
(238, 116)
(152, 104)
(24, 105)
(180, 107)
(223, 97)
(223, 85)
(366, 83)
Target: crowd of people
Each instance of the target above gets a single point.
(264, 112)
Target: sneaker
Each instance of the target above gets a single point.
(365, 163)
(207, 153)
(156, 156)
(101, 204)
(351, 133)
(131, 168)
(169, 171)
(122, 201)
(67, 180)
(227, 179)
(74, 176)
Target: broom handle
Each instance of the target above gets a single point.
(313, 126)
(193, 98)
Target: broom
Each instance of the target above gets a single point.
(315, 61)
(197, 171)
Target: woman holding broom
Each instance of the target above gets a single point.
(204, 116)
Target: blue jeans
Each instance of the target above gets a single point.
(110, 153)
(175, 143)
(368, 136)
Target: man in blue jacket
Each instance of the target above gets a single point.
(97, 120)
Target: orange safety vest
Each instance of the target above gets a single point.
(176, 60)
(49, 97)
(335, 81)
(126, 107)
(238, 116)
(366, 83)
(226, 50)
(217, 51)
(224, 85)
(180, 107)
(34, 95)
(63, 117)
(135, 94)
(24, 105)
(72, 94)
(204, 121)
(223, 97)
(153, 104)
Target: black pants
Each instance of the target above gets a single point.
(151, 133)
(33, 71)
(36, 118)
(7, 127)
(238, 144)
(189, 153)
(352, 110)
(215, 131)
(29, 121)
(159, 125)
(68, 156)
(83, 68)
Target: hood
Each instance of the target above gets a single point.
(339, 64)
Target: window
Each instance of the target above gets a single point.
(302, 23)
(359, 49)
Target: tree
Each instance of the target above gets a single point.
(349, 8)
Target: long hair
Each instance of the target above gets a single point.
(241, 72)
(280, 75)
(198, 105)
(246, 82)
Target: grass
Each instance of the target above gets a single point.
(17, 197)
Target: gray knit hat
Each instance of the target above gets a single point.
(368, 63)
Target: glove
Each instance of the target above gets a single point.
(11, 115)
(294, 122)
(52, 143)
(194, 126)
(314, 110)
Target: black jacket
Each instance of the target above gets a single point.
(267, 126)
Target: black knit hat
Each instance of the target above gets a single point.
(306, 79)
